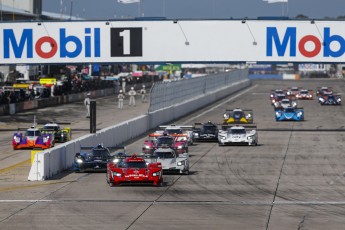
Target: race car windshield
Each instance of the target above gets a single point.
(210, 128)
(304, 92)
(55, 128)
(174, 131)
(100, 153)
(237, 114)
(164, 155)
(165, 141)
(280, 97)
(285, 102)
(237, 131)
(289, 110)
(33, 133)
(138, 165)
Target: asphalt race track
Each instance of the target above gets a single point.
(294, 179)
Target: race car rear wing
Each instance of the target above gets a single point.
(111, 148)
(54, 122)
(172, 126)
(224, 127)
(244, 110)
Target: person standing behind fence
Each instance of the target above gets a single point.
(87, 105)
(132, 94)
(120, 97)
(143, 94)
(124, 85)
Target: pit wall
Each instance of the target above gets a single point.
(53, 161)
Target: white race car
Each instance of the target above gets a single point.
(171, 161)
(238, 135)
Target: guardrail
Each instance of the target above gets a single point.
(51, 162)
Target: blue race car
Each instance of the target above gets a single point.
(95, 159)
(330, 99)
(289, 114)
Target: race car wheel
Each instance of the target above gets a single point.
(186, 172)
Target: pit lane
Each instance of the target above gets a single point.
(292, 180)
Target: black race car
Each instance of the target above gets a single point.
(60, 134)
(96, 158)
(205, 132)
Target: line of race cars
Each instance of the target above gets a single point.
(285, 101)
(41, 137)
(166, 150)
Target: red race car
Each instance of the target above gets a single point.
(305, 94)
(325, 90)
(160, 139)
(134, 170)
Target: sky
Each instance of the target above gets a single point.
(195, 9)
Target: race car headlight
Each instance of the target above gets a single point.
(299, 114)
(16, 139)
(288, 93)
(117, 174)
(179, 147)
(79, 160)
(249, 116)
(180, 163)
(147, 147)
(278, 114)
(222, 137)
(339, 99)
(321, 99)
(196, 134)
(116, 160)
(226, 116)
(250, 137)
(156, 174)
(45, 139)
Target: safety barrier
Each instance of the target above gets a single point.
(53, 161)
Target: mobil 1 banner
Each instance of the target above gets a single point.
(126, 42)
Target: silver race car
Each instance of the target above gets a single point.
(284, 103)
(238, 135)
(171, 162)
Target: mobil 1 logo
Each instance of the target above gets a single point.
(126, 42)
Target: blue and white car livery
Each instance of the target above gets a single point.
(289, 114)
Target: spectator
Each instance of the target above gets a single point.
(87, 105)
(132, 95)
(143, 94)
(120, 97)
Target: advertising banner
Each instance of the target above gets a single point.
(172, 41)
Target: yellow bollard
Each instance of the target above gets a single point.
(33, 153)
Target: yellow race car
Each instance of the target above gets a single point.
(60, 134)
(238, 116)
